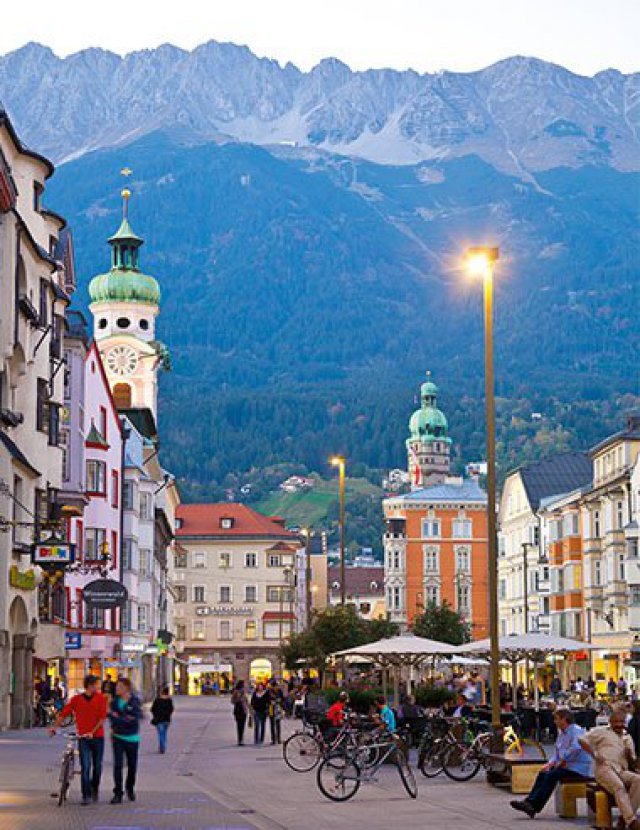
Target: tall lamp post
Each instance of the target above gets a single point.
(339, 462)
(307, 576)
(481, 262)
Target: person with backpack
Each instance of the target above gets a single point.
(161, 712)
(276, 704)
(260, 701)
(125, 714)
(240, 705)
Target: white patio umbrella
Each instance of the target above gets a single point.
(403, 650)
(535, 646)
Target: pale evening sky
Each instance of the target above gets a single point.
(427, 35)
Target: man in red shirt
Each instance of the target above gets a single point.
(90, 711)
(335, 713)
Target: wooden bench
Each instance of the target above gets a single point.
(599, 804)
(515, 771)
(567, 795)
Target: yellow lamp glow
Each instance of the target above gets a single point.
(480, 260)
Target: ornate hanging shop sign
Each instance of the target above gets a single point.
(105, 593)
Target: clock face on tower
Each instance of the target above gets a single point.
(122, 360)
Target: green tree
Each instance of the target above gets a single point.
(442, 623)
(334, 629)
(380, 628)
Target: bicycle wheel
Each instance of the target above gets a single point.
(461, 763)
(66, 773)
(430, 764)
(338, 781)
(406, 774)
(301, 752)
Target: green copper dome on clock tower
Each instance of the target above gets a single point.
(125, 282)
(125, 304)
(428, 445)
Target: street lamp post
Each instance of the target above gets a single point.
(481, 262)
(339, 462)
(525, 583)
(307, 577)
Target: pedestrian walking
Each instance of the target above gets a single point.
(276, 708)
(90, 711)
(240, 705)
(161, 712)
(260, 700)
(125, 714)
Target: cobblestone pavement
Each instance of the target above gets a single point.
(205, 782)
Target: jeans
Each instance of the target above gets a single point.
(241, 722)
(274, 724)
(121, 750)
(545, 784)
(91, 752)
(259, 722)
(162, 729)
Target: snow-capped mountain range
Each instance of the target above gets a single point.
(521, 115)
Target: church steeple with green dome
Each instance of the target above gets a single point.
(125, 282)
(125, 303)
(428, 445)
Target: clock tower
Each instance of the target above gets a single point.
(124, 304)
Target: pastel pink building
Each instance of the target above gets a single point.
(97, 533)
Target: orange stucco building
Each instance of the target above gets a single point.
(436, 535)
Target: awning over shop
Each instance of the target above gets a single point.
(209, 668)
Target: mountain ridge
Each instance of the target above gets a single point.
(520, 114)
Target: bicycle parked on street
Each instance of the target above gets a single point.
(340, 774)
(303, 751)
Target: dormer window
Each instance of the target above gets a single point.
(226, 523)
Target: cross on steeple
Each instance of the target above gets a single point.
(125, 192)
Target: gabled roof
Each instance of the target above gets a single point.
(205, 521)
(95, 438)
(94, 353)
(358, 580)
(555, 475)
(143, 420)
(468, 490)
(631, 432)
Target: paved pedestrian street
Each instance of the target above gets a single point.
(205, 782)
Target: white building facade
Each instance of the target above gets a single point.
(35, 282)
(235, 587)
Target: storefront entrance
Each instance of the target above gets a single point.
(261, 670)
(209, 678)
(21, 680)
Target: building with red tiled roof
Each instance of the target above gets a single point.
(229, 519)
(235, 579)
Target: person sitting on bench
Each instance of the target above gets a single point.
(615, 758)
(570, 762)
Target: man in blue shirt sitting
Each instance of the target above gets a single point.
(570, 762)
(386, 714)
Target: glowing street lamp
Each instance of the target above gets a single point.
(307, 579)
(340, 462)
(480, 263)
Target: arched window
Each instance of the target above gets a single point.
(122, 396)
